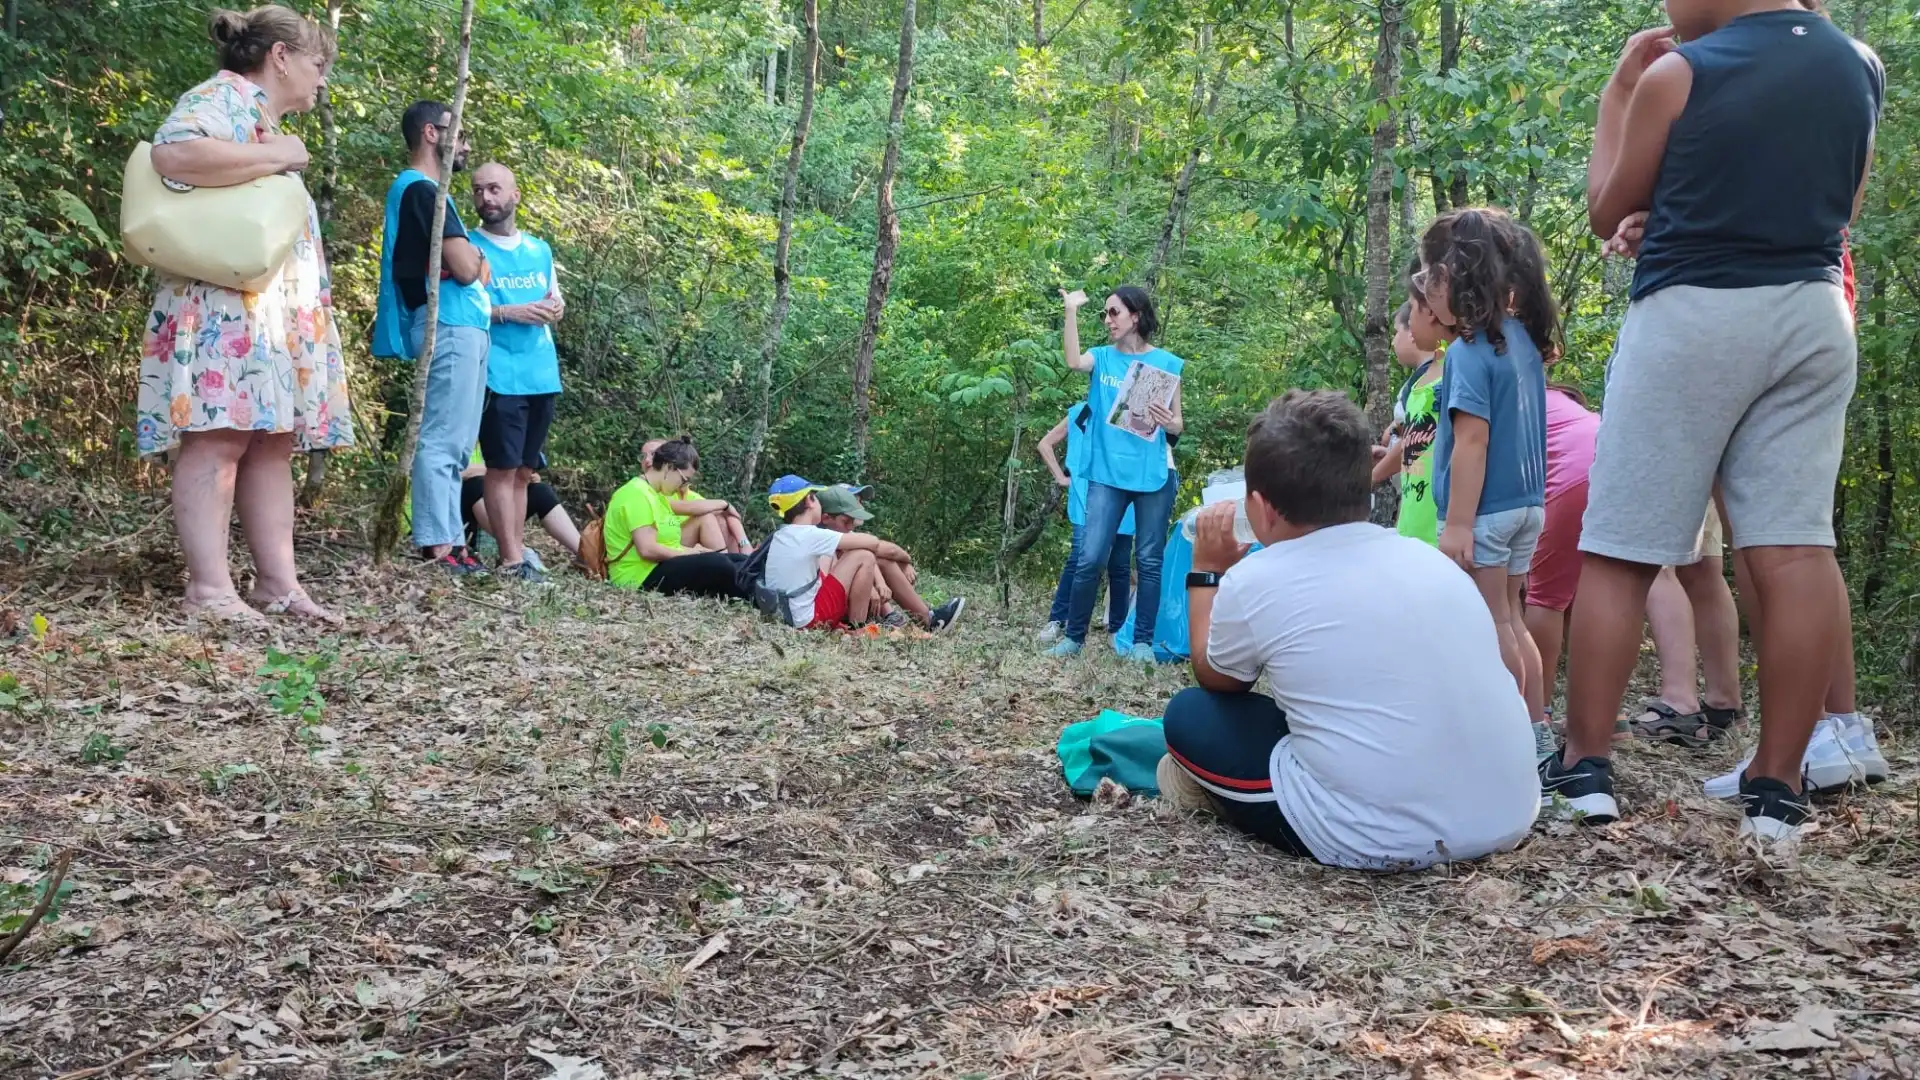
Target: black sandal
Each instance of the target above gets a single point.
(1661, 722)
(1721, 720)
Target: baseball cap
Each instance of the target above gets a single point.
(839, 500)
(789, 491)
(858, 491)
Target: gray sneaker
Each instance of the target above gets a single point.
(522, 571)
(895, 619)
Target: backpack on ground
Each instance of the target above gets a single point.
(750, 581)
(593, 550)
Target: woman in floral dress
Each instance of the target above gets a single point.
(232, 382)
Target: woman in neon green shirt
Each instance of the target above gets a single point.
(643, 533)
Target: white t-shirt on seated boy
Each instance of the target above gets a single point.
(794, 559)
(1408, 742)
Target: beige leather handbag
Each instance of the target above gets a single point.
(238, 237)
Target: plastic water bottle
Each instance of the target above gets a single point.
(1242, 528)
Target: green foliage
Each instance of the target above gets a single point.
(648, 155)
(100, 749)
(18, 899)
(220, 779)
(16, 697)
(293, 684)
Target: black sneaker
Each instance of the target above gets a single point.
(470, 561)
(944, 616)
(1583, 793)
(456, 562)
(1774, 812)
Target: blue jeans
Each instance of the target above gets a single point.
(1106, 506)
(449, 426)
(1119, 581)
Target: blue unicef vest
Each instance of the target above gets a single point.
(460, 305)
(1118, 458)
(1079, 453)
(522, 359)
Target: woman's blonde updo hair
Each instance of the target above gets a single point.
(245, 40)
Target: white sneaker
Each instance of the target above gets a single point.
(1828, 765)
(1051, 632)
(1856, 734)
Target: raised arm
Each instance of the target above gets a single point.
(1047, 442)
(1214, 551)
(1643, 98)
(1076, 360)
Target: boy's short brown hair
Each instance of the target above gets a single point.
(1310, 456)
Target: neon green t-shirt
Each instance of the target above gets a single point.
(1419, 514)
(635, 506)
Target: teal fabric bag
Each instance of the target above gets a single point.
(1126, 748)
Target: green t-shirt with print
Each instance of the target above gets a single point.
(635, 506)
(1419, 514)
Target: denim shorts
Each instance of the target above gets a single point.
(1507, 538)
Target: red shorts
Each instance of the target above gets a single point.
(829, 604)
(1556, 562)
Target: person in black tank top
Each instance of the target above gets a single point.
(1742, 134)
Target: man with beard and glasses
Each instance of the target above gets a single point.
(457, 378)
(523, 370)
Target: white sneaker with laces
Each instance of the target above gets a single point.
(1856, 734)
(1051, 632)
(1828, 765)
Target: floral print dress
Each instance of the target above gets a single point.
(216, 358)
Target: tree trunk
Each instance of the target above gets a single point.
(1010, 508)
(1378, 256)
(329, 180)
(773, 74)
(883, 248)
(387, 526)
(1204, 101)
(13, 18)
(782, 280)
(1880, 529)
(1039, 24)
(1450, 188)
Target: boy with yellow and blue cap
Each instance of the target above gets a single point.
(828, 579)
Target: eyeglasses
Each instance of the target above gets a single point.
(1420, 279)
(1114, 313)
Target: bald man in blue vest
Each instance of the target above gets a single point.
(523, 369)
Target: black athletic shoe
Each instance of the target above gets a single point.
(470, 561)
(523, 571)
(944, 616)
(1774, 812)
(1583, 793)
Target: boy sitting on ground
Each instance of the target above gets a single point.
(842, 511)
(1394, 737)
(830, 579)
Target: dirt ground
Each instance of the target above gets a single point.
(499, 832)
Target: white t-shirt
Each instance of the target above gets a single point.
(1409, 743)
(793, 561)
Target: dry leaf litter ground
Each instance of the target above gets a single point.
(572, 832)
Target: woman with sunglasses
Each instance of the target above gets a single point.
(643, 533)
(1124, 467)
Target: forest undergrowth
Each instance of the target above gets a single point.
(496, 831)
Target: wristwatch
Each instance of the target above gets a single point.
(1202, 579)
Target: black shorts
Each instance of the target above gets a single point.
(1226, 741)
(541, 501)
(513, 429)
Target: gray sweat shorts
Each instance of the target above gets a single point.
(1749, 386)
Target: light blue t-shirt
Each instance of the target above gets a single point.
(522, 359)
(1509, 391)
(1118, 458)
(1079, 446)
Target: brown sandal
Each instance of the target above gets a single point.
(285, 606)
